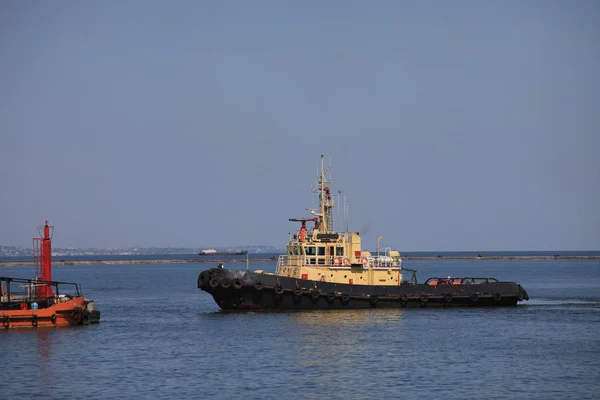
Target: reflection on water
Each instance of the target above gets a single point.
(345, 318)
(31, 349)
(43, 345)
(329, 342)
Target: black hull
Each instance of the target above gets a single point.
(245, 290)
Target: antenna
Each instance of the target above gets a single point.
(340, 228)
(346, 212)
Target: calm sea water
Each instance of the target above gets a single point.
(161, 337)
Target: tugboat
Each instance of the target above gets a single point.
(40, 301)
(325, 269)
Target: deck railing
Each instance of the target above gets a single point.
(284, 260)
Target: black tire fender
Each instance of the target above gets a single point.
(235, 303)
(214, 282)
(225, 283)
(203, 278)
(373, 299)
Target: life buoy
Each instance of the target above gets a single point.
(346, 261)
(23, 306)
(364, 260)
(337, 261)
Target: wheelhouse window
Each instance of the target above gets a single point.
(311, 251)
(339, 251)
(321, 250)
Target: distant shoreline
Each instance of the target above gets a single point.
(262, 260)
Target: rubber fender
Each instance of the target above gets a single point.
(225, 283)
(201, 278)
(373, 299)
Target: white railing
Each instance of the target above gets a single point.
(339, 261)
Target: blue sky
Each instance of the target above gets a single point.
(464, 125)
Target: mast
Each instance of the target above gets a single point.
(42, 247)
(326, 203)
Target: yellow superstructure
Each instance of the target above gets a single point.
(325, 255)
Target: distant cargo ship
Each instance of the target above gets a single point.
(213, 252)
